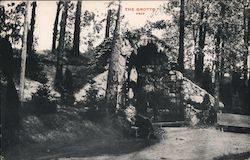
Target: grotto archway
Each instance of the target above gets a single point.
(149, 85)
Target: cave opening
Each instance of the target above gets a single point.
(147, 70)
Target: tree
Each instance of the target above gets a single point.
(246, 27)
(181, 37)
(222, 47)
(30, 37)
(68, 93)
(24, 52)
(108, 23)
(112, 84)
(199, 56)
(77, 30)
(94, 26)
(59, 65)
(70, 24)
(11, 21)
(9, 100)
(218, 48)
(55, 31)
(42, 100)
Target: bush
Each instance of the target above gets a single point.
(67, 89)
(9, 100)
(9, 114)
(58, 82)
(95, 106)
(208, 114)
(35, 69)
(236, 82)
(42, 101)
(207, 83)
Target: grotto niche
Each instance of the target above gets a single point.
(149, 85)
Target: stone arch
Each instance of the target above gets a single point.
(146, 39)
(146, 51)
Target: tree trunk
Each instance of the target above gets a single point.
(108, 24)
(55, 31)
(59, 72)
(217, 66)
(31, 30)
(181, 37)
(218, 48)
(222, 37)
(222, 62)
(112, 84)
(77, 30)
(248, 35)
(199, 56)
(9, 100)
(24, 52)
(246, 39)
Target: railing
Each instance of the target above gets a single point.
(169, 124)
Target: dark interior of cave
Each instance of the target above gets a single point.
(151, 66)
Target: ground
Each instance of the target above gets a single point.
(180, 143)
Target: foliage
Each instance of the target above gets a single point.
(207, 83)
(208, 114)
(67, 92)
(10, 115)
(95, 106)
(35, 69)
(58, 82)
(236, 81)
(91, 22)
(11, 20)
(161, 24)
(70, 25)
(42, 101)
(232, 29)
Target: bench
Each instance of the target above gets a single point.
(233, 122)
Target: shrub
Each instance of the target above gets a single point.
(208, 114)
(236, 81)
(67, 88)
(207, 83)
(42, 101)
(58, 82)
(95, 106)
(35, 69)
(9, 100)
(10, 114)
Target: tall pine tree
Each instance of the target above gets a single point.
(181, 37)
(59, 65)
(113, 72)
(77, 30)
(55, 30)
(30, 37)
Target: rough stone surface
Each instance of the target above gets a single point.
(193, 97)
(179, 88)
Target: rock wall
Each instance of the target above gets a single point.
(179, 89)
(192, 97)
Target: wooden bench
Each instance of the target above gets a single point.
(233, 122)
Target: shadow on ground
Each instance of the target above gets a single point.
(82, 149)
(240, 156)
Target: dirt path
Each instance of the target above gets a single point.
(179, 144)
